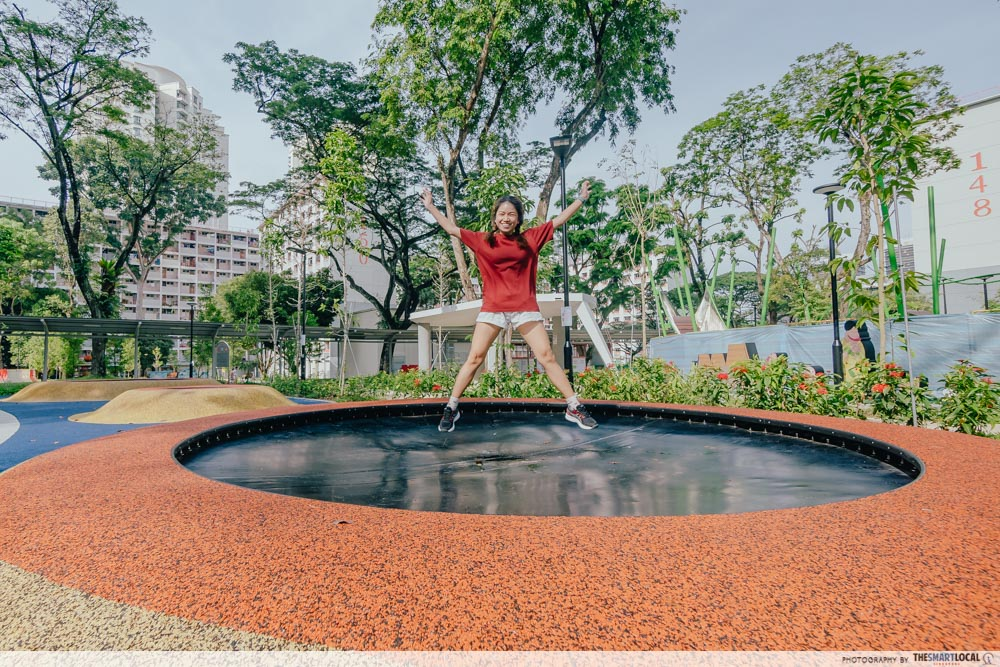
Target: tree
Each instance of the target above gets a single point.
(64, 351)
(299, 226)
(878, 115)
(345, 188)
(691, 194)
(25, 258)
(259, 201)
(596, 252)
(303, 97)
(154, 188)
(760, 156)
(606, 56)
(641, 220)
(806, 87)
(258, 297)
(462, 73)
(801, 286)
(294, 100)
(60, 79)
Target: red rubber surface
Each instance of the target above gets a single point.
(913, 569)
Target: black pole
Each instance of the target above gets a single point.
(986, 296)
(191, 344)
(302, 318)
(566, 318)
(838, 350)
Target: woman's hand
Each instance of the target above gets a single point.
(584, 191)
(427, 198)
(446, 224)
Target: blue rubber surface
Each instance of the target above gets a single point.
(46, 426)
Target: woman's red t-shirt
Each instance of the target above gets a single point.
(508, 272)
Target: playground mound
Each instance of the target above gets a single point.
(159, 404)
(57, 391)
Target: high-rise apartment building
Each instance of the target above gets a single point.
(173, 103)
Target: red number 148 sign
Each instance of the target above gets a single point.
(981, 207)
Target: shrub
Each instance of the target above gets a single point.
(971, 403)
(883, 391)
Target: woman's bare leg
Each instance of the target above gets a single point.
(537, 338)
(482, 337)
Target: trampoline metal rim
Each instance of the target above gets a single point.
(897, 457)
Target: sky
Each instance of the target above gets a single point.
(723, 46)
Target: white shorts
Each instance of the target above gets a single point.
(515, 319)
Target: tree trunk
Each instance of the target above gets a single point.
(864, 234)
(547, 187)
(881, 278)
(643, 276)
(388, 350)
(468, 289)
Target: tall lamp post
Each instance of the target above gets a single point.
(560, 146)
(838, 351)
(193, 305)
(302, 313)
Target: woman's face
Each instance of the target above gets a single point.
(506, 218)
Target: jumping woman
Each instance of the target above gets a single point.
(508, 265)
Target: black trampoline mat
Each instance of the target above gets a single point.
(539, 464)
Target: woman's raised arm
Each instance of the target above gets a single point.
(447, 224)
(574, 206)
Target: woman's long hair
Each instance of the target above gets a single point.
(519, 207)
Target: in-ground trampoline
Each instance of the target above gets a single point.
(524, 459)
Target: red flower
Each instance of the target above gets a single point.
(880, 388)
(436, 387)
(819, 374)
(740, 369)
(803, 386)
(896, 374)
(821, 391)
(988, 380)
(722, 376)
(614, 388)
(891, 366)
(416, 382)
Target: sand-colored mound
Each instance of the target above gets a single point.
(56, 391)
(158, 405)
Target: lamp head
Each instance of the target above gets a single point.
(561, 145)
(828, 189)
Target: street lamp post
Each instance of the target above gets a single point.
(838, 351)
(302, 314)
(191, 342)
(560, 146)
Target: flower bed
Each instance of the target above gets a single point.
(970, 402)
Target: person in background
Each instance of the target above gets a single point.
(859, 345)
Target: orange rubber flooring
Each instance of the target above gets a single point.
(912, 569)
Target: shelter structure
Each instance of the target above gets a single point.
(454, 316)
